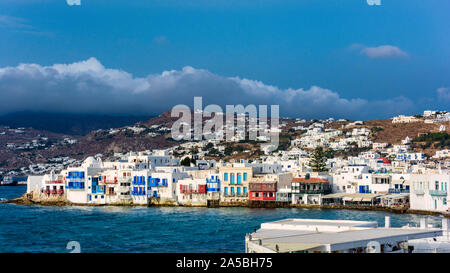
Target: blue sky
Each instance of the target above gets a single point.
(393, 57)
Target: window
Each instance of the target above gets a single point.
(245, 176)
(226, 190)
(232, 190)
(225, 177)
(444, 201)
(239, 190)
(436, 185)
(239, 179)
(245, 190)
(231, 178)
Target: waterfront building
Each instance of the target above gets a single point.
(117, 184)
(79, 181)
(430, 192)
(284, 195)
(262, 190)
(192, 192)
(264, 187)
(235, 179)
(213, 187)
(308, 190)
(34, 183)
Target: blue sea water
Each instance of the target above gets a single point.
(150, 229)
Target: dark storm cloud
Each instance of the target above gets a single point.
(89, 87)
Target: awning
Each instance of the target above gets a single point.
(347, 198)
(334, 195)
(367, 199)
(396, 196)
(357, 199)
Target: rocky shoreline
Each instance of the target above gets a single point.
(26, 200)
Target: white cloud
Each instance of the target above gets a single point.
(14, 22)
(383, 51)
(73, 2)
(88, 87)
(443, 93)
(160, 40)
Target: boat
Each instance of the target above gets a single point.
(8, 181)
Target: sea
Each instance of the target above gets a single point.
(110, 229)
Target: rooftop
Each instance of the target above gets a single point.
(292, 235)
(310, 180)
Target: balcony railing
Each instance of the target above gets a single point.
(153, 195)
(398, 190)
(209, 180)
(312, 191)
(54, 182)
(137, 192)
(419, 191)
(75, 185)
(438, 193)
(242, 195)
(189, 191)
(110, 181)
(98, 189)
(235, 195)
(153, 183)
(74, 179)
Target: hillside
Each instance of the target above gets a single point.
(70, 124)
(22, 147)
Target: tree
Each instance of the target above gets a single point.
(318, 161)
(186, 161)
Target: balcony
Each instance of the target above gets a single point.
(153, 195)
(54, 182)
(74, 179)
(138, 180)
(398, 190)
(110, 181)
(98, 189)
(438, 193)
(213, 189)
(75, 185)
(137, 192)
(190, 191)
(419, 191)
(209, 180)
(242, 195)
(156, 182)
(313, 192)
